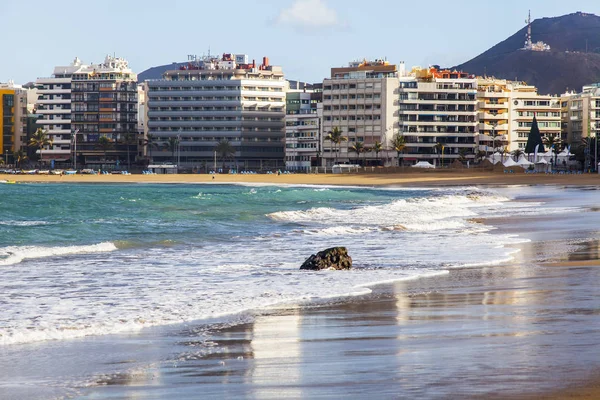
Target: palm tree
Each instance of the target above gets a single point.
(40, 140)
(504, 152)
(128, 139)
(150, 142)
(463, 153)
(358, 147)
(398, 144)
(171, 145)
(517, 154)
(19, 156)
(336, 137)
(586, 147)
(439, 149)
(225, 150)
(104, 144)
(553, 142)
(481, 154)
(377, 147)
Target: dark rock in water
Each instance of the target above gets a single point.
(335, 257)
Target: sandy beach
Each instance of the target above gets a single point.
(408, 178)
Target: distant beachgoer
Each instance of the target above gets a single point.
(213, 177)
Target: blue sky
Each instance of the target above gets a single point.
(305, 37)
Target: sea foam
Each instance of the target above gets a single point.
(16, 254)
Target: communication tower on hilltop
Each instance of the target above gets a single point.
(529, 45)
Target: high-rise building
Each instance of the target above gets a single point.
(87, 102)
(303, 126)
(13, 118)
(581, 113)
(104, 103)
(7, 118)
(506, 111)
(360, 100)
(494, 104)
(54, 109)
(438, 116)
(527, 103)
(217, 99)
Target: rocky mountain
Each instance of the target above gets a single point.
(157, 72)
(573, 61)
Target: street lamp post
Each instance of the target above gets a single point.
(6, 157)
(494, 137)
(75, 149)
(178, 151)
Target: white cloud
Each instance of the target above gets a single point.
(306, 14)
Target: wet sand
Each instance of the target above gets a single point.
(526, 330)
(407, 178)
(501, 333)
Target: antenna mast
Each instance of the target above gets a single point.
(528, 43)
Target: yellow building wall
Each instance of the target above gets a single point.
(2, 93)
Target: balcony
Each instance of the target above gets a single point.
(53, 91)
(498, 106)
(494, 117)
(493, 95)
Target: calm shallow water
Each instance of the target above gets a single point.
(81, 261)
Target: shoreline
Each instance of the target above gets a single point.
(404, 179)
(516, 297)
(433, 301)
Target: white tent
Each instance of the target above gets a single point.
(548, 156)
(543, 166)
(423, 164)
(509, 162)
(523, 162)
(495, 158)
(565, 154)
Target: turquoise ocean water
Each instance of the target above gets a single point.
(96, 259)
(82, 260)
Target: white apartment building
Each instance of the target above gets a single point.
(527, 103)
(494, 104)
(54, 107)
(438, 116)
(361, 100)
(304, 111)
(581, 113)
(215, 99)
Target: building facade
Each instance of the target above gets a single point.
(13, 118)
(581, 113)
(7, 118)
(361, 100)
(527, 103)
(303, 135)
(216, 99)
(438, 116)
(82, 103)
(104, 103)
(493, 103)
(54, 109)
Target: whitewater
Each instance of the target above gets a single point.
(80, 260)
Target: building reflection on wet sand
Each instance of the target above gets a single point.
(496, 331)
